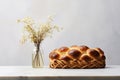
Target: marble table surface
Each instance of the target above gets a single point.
(28, 71)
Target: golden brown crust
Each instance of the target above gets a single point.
(63, 49)
(86, 58)
(74, 53)
(54, 55)
(65, 58)
(77, 57)
(93, 53)
(83, 48)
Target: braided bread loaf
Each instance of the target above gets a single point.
(77, 57)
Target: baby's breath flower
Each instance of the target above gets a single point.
(23, 40)
(28, 21)
(18, 20)
(39, 33)
(50, 18)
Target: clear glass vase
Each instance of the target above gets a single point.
(37, 57)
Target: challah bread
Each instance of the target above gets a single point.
(77, 57)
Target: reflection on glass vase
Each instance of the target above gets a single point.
(37, 58)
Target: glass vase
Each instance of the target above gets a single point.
(37, 58)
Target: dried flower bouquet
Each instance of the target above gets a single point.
(36, 33)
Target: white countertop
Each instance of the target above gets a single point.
(28, 71)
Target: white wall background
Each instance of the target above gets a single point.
(95, 23)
